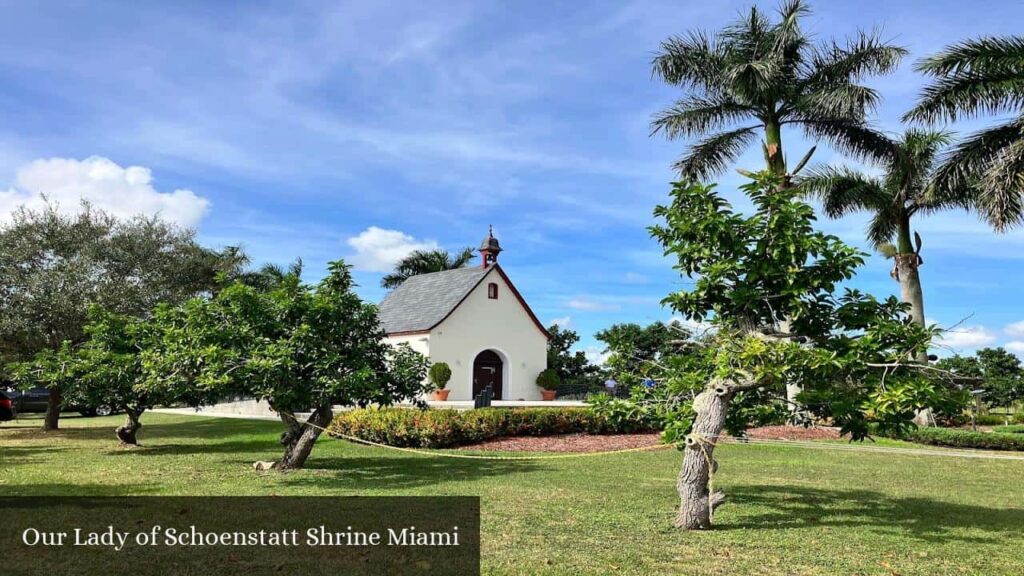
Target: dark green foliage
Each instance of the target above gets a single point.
(749, 273)
(634, 350)
(965, 439)
(548, 379)
(577, 375)
(439, 375)
(297, 347)
(1000, 374)
(450, 428)
(53, 267)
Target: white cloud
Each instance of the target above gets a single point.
(1015, 329)
(123, 192)
(967, 337)
(377, 249)
(596, 355)
(634, 278)
(590, 305)
(1015, 346)
(564, 322)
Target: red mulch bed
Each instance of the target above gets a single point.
(568, 443)
(608, 442)
(794, 433)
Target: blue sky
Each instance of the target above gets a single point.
(362, 130)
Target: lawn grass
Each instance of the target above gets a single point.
(790, 510)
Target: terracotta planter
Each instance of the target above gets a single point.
(548, 395)
(440, 395)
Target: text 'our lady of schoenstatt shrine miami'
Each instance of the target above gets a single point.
(192, 536)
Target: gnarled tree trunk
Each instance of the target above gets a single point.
(52, 419)
(127, 432)
(299, 438)
(697, 503)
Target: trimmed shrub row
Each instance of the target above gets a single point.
(447, 428)
(989, 419)
(966, 439)
(1011, 429)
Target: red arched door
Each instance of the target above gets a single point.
(487, 371)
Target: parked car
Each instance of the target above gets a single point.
(36, 400)
(6, 408)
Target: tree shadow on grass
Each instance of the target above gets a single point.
(395, 473)
(922, 518)
(60, 489)
(145, 448)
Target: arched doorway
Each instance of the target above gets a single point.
(487, 369)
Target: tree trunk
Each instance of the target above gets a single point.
(906, 271)
(52, 419)
(298, 439)
(696, 501)
(127, 432)
(773, 148)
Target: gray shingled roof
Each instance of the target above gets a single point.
(423, 300)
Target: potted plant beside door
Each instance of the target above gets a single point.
(548, 382)
(439, 375)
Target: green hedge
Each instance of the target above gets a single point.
(1011, 429)
(447, 428)
(966, 439)
(990, 419)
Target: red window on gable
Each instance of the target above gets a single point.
(492, 291)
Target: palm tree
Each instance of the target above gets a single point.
(271, 276)
(906, 189)
(983, 76)
(759, 75)
(423, 262)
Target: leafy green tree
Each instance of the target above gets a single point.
(634, 351)
(572, 366)
(424, 262)
(907, 189)
(54, 266)
(1000, 374)
(749, 273)
(971, 78)
(759, 75)
(107, 369)
(298, 347)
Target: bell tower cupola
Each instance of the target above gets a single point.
(489, 249)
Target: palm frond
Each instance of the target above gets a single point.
(969, 94)
(696, 115)
(694, 60)
(843, 191)
(984, 54)
(862, 55)
(425, 262)
(882, 227)
(847, 101)
(1001, 196)
(857, 139)
(958, 178)
(710, 157)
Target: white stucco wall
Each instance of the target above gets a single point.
(501, 325)
(418, 342)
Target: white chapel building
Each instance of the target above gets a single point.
(474, 320)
